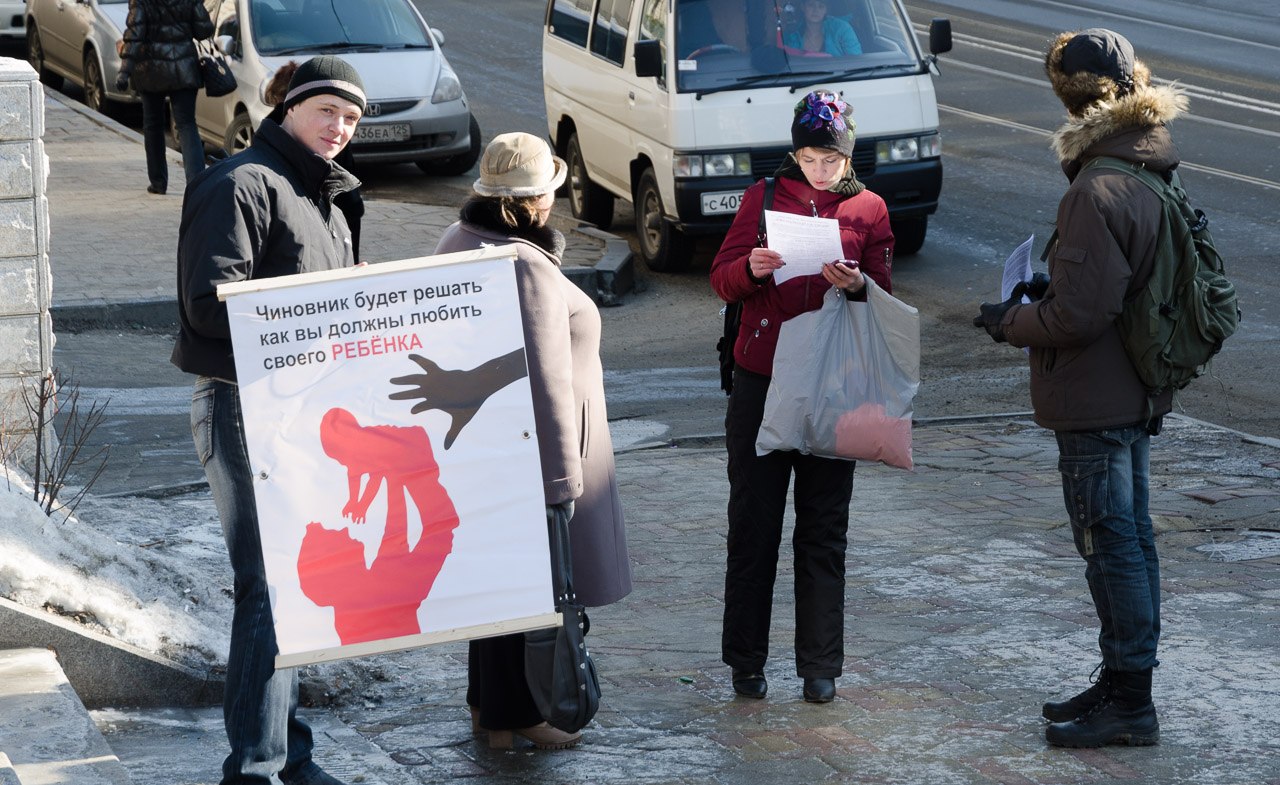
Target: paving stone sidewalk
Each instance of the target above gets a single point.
(966, 608)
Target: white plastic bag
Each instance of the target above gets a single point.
(843, 380)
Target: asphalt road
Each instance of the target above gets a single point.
(1001, 185)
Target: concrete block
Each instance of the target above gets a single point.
(16, 120)
(20, 285)
(47, 733)
(17, 167)
(18, 228)
(20, 349)
(104, 671)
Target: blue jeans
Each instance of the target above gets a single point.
(183, 103)
(268, 742)
(1104, 484)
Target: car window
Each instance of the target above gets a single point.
(292, 26)
(569, 20)
(609, 38)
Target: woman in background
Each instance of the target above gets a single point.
(158, 56)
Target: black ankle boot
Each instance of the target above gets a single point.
(819, 690)
(1067, 710)
(1125, 716)
(749, 684)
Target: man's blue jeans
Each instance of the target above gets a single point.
(268, 742)
(1104, 483)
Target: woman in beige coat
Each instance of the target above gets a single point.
(514, 196)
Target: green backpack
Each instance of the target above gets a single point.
(1177, 323)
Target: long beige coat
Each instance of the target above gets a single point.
(562, 348)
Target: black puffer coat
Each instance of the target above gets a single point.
(159, 54)
(262, 213)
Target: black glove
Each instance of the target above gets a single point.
(1034, 289)
(122, 82)
(992, 314)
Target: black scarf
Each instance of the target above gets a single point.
(485, 213)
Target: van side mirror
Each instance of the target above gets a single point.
(648, 57)
(939, 36)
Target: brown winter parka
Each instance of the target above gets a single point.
(1108, 221)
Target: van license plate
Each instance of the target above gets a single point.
(721, 202)
(383, 132)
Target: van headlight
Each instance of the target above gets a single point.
(712, 164)
(448, 88)
(908, 148)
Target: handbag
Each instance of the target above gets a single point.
(843, 380)
(218, 79)
(557, 665)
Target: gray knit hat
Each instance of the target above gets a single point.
(325, 75)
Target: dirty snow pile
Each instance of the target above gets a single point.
(151, 575)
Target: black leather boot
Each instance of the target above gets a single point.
(1125, 716)
(1067, 710)
(749, 684)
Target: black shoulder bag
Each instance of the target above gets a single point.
(557, 666)
(732, 312)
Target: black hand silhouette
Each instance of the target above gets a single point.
(459, 394)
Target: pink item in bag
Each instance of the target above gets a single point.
(868, 433)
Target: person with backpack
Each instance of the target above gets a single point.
(817, 179)
(1084, 386)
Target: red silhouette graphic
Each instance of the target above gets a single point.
(381, 600)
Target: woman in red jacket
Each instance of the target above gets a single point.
(817, 179)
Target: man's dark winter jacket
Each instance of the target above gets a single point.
(263, 213)
(1108, 222)
(159, 56)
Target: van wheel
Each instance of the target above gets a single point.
(588, 201)
(662, 246)
(908, 234)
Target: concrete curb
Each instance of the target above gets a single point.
(104, 671)
(47, 730)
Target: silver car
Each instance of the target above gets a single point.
(417, 109)
(76, 40)
(12, 19)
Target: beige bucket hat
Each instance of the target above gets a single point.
(519, 164)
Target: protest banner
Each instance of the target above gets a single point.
(389, 423)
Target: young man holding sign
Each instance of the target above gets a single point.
(264, 213)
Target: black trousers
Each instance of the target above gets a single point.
(496, 684)
(757, 501)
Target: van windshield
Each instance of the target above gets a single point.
(736, 44)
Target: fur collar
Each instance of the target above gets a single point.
(1147, 106)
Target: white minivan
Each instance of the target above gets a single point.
(678, 105)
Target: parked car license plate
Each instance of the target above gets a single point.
(382, 132)
(721, 202)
